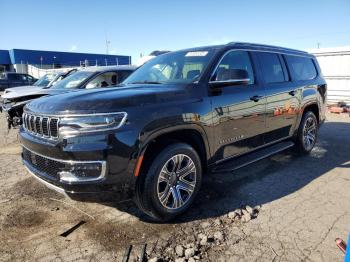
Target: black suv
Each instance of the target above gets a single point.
(179, 116)
(9, 79)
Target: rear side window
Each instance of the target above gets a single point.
(302, 68)
(271, 67)
(14, 77)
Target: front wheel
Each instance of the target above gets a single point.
(171, 183)
(307, 133)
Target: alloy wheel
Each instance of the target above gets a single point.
(176, 181)
(309, 133)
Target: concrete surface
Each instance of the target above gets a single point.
(304, 207)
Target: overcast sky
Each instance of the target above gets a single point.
(134, 27)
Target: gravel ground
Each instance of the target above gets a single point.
(284, 208)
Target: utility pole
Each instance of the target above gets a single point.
(318, 45)
(107, 45)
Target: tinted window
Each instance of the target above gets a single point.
(122, 75)
(24, 78)
(14, 77)
(237, 60)
(302, 68)
(271, 67)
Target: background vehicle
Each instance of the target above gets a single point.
(9, 79)
(182, 113)
(153, 54)
(46, 81)
(95, 77)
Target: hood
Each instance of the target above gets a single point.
(21, 91)
(105, 100)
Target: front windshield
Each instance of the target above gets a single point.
(177, 67)
(45, 80)
(73, 81)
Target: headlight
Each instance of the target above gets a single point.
(91, 123)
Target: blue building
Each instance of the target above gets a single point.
(18, 59)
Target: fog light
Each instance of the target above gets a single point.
(82, 172)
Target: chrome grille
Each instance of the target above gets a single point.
(41, 125)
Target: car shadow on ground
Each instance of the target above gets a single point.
(264, 181)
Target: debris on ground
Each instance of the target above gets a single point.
(203, 236)
(341, 244)
(339, 108)
(72, 229)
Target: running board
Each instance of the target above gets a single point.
(249, 158)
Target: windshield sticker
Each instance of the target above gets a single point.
(198, 53)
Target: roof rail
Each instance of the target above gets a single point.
(266, 47)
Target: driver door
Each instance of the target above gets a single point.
(238, 108)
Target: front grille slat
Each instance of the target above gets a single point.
(45, 126)
(31, 124)
(54, 127)
(41, 125)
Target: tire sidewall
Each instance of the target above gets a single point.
(150, 185)
(301, 143)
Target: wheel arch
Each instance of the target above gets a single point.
(193, 135)
(311, 106)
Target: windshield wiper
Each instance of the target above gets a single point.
(147, 82)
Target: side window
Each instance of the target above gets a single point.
(192, 71)
(302, 68)
(30, 78)
(13, 77)
(271, 67)
(122, 75)
(24, 78)
(103, 80)
(237, 60)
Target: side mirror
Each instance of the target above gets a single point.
(228, 77)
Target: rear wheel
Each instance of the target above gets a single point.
(307, 133)
(171, 183)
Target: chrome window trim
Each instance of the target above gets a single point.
(254, 50)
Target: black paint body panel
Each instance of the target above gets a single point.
(155, 110)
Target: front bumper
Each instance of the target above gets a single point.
(91, 165)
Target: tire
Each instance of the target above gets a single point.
(164, 194)
(307, 133)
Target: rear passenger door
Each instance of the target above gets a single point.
(282, 97)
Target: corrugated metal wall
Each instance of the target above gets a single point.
(335, 66)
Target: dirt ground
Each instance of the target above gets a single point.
(299, 206)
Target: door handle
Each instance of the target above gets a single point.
(292, 93)
(256, 98)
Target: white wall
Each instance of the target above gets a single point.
(38, 72)
(335, 66)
